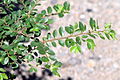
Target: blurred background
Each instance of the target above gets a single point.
(104, 62)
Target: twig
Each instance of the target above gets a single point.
(59, 38)
(53, 14)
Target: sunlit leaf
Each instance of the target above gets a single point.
(67, 5)
(49, 10)
(61, 32)
(55, 33)
(44, 59)
(61, 42)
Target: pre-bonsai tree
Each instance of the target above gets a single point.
(20, 24)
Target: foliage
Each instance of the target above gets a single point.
(20, 31)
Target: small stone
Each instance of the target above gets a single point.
(74, 61)
(97, 58)
(91, 63)
(53, 1)
(90, 70)
(82, 16)
(89, 10)
(115, 66)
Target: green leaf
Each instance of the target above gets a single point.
(69, 30)
(69, 42)
(43, 12)
(41, 26)
(101, 36)
(14, 58)
(92, 35)
(97, 26)
(75, 26)
(46, 48)
(14, 1)
(48, 35)
(6, 60)
(36, 34)
(53, 58)
(50, 21)
(3, 54)
(107, 26)
(72, 27)
(41, 50)
(84, 28)
(34, 29)
(44, 59)
(2, 70)
(38, 61)
(50, 52)
(47, 27)
(61, 32)
(49, 10)
(4, 76)
(33, 69)
(61, 42)
(58, 8)
(1, 22)
(60, 15)
(43, 20)
(29, 57)
(7, 1)
(85, 36)
(54, 44)
(34, 44)
(75, 49)
(81, 26)
(1, 77)
(54, 71)
(66, 5)
(55, 33)
(112, 34)
(107, 35)
(47, 66)
(57, 64)
(7, 47)
(90, 44)
(92, 23)
(20, 38)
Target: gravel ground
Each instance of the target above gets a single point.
(104, 62)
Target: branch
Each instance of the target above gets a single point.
(59, 38)
(53, 14)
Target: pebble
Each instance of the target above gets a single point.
(91, 63)
(97, 58)
(72, 62)
(53, 1)
(89, 10)
(82, 16)
(115, 66)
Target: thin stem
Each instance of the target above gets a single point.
(48, 15)
(59, 38)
